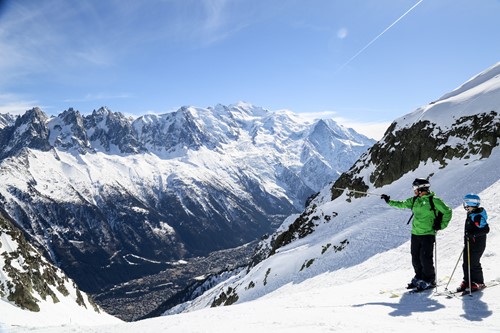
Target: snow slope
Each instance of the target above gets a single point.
(461, 101)
(62, 314)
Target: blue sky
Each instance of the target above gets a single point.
(363, 63)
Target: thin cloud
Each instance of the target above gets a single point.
(374, 130)
(97, 97)
(221, 19)
(318, 115)
(50, 37)
(203, 23)
(215, 14)
(21, 52)
(15, 105)
(94, 56)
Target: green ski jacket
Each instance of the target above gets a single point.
(423, 218)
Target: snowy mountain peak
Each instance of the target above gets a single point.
(459, 103)
(7, 120)
(28, 131)
(248, 108)
(486, 76)
(463, 125)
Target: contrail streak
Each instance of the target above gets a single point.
(379, 35)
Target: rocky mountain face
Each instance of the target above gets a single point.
(27, 278)
(6, 120)
(406, 145)
(111, 199)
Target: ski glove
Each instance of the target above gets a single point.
(471, 237)
(385, 197)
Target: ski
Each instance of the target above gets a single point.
(405, 291)
(417, 290)
(466, 292)
(458, 294)
(394, 293)
(448, 293)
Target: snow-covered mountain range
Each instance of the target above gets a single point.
(111, 198)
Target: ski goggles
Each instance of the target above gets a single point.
(471, 203)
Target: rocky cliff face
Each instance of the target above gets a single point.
(29, 131)
(27, 278)
(403, 149)
(6, 120)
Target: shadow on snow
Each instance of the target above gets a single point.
(474, 308)
(410, 303)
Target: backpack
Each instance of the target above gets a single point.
(438, 216)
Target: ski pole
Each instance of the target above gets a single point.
(436, 261)
(346, 189)
(468, 266)
(452, 273)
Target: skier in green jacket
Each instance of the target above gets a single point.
(430, 215)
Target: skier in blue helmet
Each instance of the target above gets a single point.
(476, 228)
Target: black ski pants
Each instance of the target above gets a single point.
(422, 257)
(477, 245)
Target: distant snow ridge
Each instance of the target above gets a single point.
(111, 198)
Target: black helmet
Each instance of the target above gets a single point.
(421, 184)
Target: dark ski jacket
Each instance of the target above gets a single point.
(476, 223)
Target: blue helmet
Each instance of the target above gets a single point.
(471, 200)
